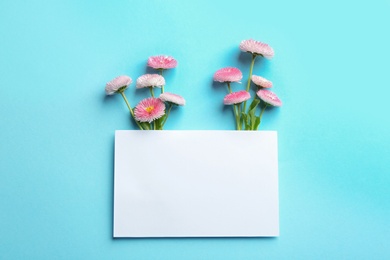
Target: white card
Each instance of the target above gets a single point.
(196, 184)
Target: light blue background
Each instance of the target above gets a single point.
(331, 69)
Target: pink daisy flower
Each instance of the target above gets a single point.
(149, 110)
(150, 80)
(269, 97)
(236, 97)
(162, 62)
(261, 82)
(228, 74)
(172, 98)
(257, 48)
(119, 83)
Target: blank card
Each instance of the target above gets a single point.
(196, 184)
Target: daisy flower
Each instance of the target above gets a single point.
(162, 62)
(236, 97)
(261, 82)
(228, 74)
(118, 84)
(257, 48)
(172, 98)
(150, 80)
(269, 97)
(149, 110)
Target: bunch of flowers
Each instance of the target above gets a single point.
(246, 119)
(150, 113)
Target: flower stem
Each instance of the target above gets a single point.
(250, 76)
(165, 119)
(236, 112)
(151, 91)
(162, 87)
(261, 113)
(131, 110)
(146, 126)
(238, 118)
(229, 88)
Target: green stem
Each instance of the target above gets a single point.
(146, 126)
(261, 113)
(151, 91)
(229, 88)
(250, 76)
(162, 87)
(239, 115)
(238, 118)
(235, 110)
(131, 110)
(165, 119)
(158, 123)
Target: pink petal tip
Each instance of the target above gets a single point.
(269, 97)
(229, 74)
(261, 82)
(121, 82)
(172, 98)
(162, 62)
(257, 48)
(236, 97)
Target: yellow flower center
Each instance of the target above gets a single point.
(149, 109)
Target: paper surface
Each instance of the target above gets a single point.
(196, 184)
